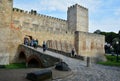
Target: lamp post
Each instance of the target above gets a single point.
(117, 49)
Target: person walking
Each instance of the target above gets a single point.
(44, 46)
(73, 52)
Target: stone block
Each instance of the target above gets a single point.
(4, 59)
(39, 75)
(62, 66)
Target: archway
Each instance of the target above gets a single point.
(34, 62)
(22, 57)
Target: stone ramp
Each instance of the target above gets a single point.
(29, 53)
(82, 73)
(70, 61)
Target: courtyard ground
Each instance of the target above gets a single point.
(79, 71)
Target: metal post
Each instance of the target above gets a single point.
(26, 64)
(88, 61)
(117, 57)
(117, 49)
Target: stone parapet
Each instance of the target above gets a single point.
(90, 45)
(20, 11)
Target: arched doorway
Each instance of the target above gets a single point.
(34, 62)
(22, 57)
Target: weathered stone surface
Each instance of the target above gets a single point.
(41, 58)
(5, 20)
(62, 66)
(78, 18)
(90, 45)
(16, 24)
(40, 75)
(4, 58)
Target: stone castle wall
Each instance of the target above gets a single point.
(90, 45)
(82, 19)
(58, 33)
(5, 41)
(44, 35)
(44, 28)
(37, 22)
(77, 18)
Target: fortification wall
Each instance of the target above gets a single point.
(37, 22)
(88, 44)
(63, 42)
(24, 23)
(16, 24)
(55, 32)
(5, 41)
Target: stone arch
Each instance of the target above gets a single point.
(34, 62)
(22, 57)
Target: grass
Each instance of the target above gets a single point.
(111, 61)
(15, 66)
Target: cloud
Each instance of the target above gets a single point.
(54, 5)
(62, 5)
(47, 6)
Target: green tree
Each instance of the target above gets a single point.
(110, 36)
(97, 32)
(119, 32)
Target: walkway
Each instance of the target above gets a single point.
(83, 73)
(79, 71)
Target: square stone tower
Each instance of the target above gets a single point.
(5, 21)
(77, 17)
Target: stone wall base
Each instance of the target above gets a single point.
(4, 59)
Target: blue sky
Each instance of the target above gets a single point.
(103, 14)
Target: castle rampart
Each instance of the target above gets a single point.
(38, 22)
(89, 44)
(5, 40)
(62, 35)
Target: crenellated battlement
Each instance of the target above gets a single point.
(34, 13)
(76, 5)
(18, 10)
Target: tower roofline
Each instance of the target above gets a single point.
(77, 5)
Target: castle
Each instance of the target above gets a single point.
(59, 34)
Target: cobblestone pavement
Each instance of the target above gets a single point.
(82, 73)
(79, 71)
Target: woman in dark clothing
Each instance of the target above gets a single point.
(73, 52)
(44, 46)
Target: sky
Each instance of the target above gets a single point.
(104, 15)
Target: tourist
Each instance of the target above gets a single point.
(73, 52)
(44, 46)
(35, 43)
(26, 41)
(31, 42)
(112, 50)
